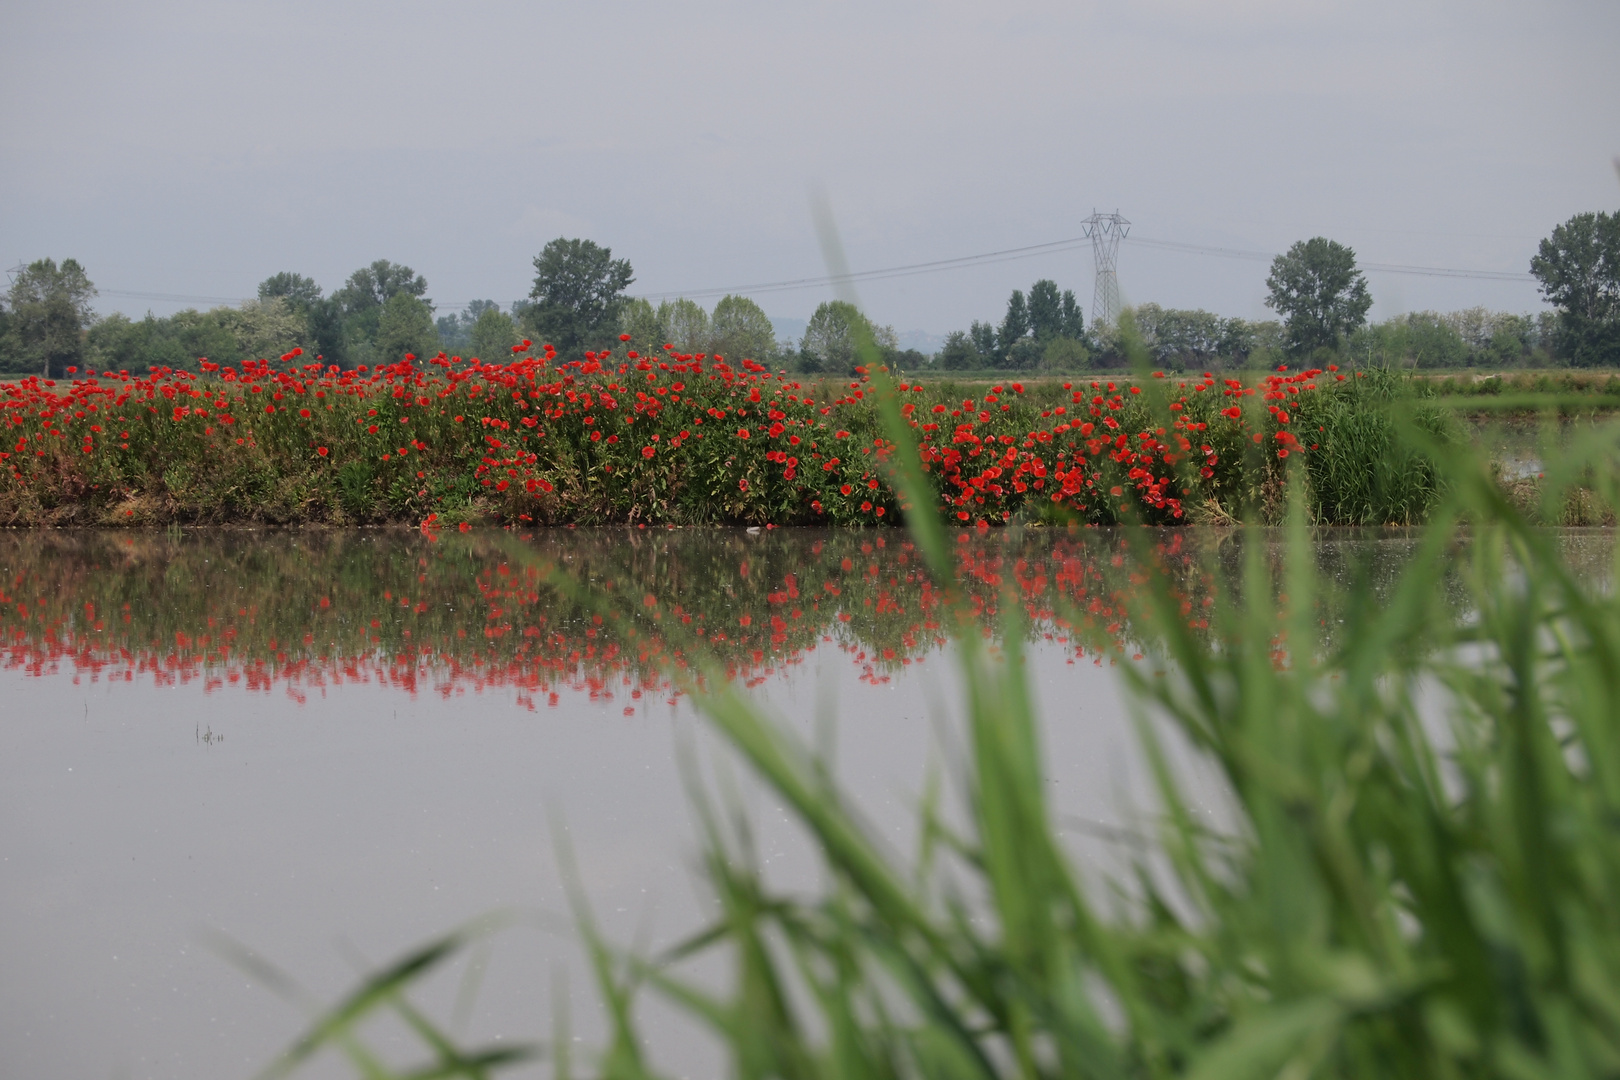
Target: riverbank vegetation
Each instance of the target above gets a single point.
(673, 438)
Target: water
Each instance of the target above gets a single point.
(330, 747)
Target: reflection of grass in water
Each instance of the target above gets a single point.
(466, 611)
(1398, 893)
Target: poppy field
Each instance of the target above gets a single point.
(665, 438)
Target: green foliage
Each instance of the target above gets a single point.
(1014, 324)
(370, 287)
(323, 318)
(456, 329)
(265, 328)
(1021, 342)
(261, 329)
(831, 336)
(1045, 309)
(1371, 470)
(405, 327)
(1472, 338)
(48, 312)
(983, 337)
(1073, 319)
(300, 292)
(1320, 294)
(359, 307)
(1188, 340)
(578, 295)
(959, 353)
(1579, 270)
(493, 334)
(1064, 354)
(1024, 354)
(640, 320)
(740, 329)
(686, 325)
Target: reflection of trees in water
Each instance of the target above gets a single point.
(607, 613)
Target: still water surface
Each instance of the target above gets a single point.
(331, 747)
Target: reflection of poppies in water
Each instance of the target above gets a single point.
(303, 611)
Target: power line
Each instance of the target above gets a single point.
(1033, 250)
(173, 298)
(960, 263)
(1385, 268)
(964, 262)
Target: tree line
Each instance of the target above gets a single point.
(579, 301)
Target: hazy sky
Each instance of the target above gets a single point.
(195, 148)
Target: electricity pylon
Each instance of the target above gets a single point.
(1106, 231)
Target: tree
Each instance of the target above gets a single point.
(983, 336)
(1024, 354)
(1319, 292)
(493, 334)
(405, 326)
(1014, 325)
(263, 328)
(177, 342)
(959, 353)
(370, 287)
(49, 312)
(687, 325)
(740, 328)
(578, 295)
(1045, 310)
(833, 333)
(1074, 320)
(299, 291)
(1177, 337)
(647, 331)
(323, 318)
(1579, 270)
(357, 309)
(455, 329)
(1064, 354)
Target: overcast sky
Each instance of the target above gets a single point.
(194, 148)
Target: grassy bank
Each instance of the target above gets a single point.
(622, 437)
